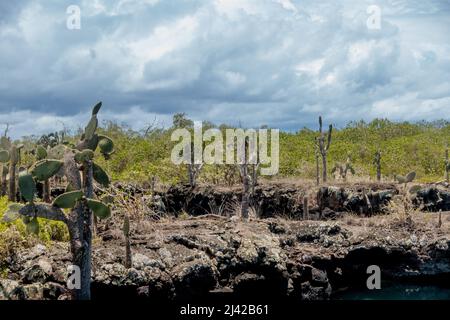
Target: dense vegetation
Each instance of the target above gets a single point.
(146, 156)
(405, 147)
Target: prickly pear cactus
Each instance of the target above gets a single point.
(343, 169)
(80, 171)
(410, 177)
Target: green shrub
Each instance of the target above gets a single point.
(14, 234)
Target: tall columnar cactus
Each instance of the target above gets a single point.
(126, 233)
(317, 168)
(447, 166)
(80, 172)
(246, 179)
(323, 142)
(254, 175)
(305, 208)
(377, 162)
(193, 168)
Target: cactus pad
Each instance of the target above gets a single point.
(84, 156)
(99, 209)
(90, 128)
(46, 169)
(57, 152)
(33, 226)
(5, 143)
(105, 144)
(14, 155)
(4, 156)
(12, 213)
(400, 179)
(68, 200)
(41, 153)
(410, 177)
(126, 226)
(96, 108)
(27, 186)
(93, 143)
(100, 175)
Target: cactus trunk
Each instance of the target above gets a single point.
(46, 192)
(191, 172)
(379, 172)
(126, 233)
(305, 208)
(4, 188)
(79, 229)
(245, 176)
(323, 142)
(128, 256)
(378, 164)
(324, 168)
(317, 170)
(12, 182)
(128, 260)
(83, 256)
(245, 194)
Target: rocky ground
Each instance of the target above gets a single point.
(213, 255)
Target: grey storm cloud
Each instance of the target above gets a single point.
(252, 62)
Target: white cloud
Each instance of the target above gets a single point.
(277, 62)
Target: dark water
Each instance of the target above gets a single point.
(397, 292)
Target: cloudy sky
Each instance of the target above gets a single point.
(249, 62)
